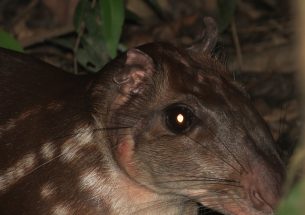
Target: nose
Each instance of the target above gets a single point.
(263, 187)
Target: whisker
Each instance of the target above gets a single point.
(226, 162)
(227, 182)
(229, 151)
(111, 128)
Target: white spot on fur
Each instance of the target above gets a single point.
(123, 196)
(61, 209)
(83, 136)
(69, 150)
(55, 106)
(91, 180)
(47, 190)
(17, 171)
(48, 151)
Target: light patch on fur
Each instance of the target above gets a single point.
(55, 106)
(62, 209)
(17, 171)
(47, 151)
(123, 196)
(91, 180)
(100, 188)
(47, 190)
(83, 136)
(12, 122)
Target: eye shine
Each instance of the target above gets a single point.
(179, 118)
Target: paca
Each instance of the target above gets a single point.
(157, 131)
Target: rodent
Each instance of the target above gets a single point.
(159, 129)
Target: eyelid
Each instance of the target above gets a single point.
(182, 105)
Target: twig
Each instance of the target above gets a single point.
(237, 44)
(45, 35)
(76, 46)
(80, 33)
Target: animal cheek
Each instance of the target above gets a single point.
(125, 155)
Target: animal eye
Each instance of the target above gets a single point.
(179, 118)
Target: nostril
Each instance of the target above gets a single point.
(262, 187)
(257, 196)
(260, 193)
(257, 199)
(258, 202)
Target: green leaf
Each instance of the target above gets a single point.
(9, 42)
(226, 10)
(103, 22)
(294, 203)
(92, 55)
(84, 59)
(93, 23)
(80, 12)
(112, 19)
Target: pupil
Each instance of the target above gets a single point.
(178, 118)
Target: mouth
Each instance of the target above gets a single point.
(226, 203)
(202, 210)
(229, 210)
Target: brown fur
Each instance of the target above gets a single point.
(98, 144)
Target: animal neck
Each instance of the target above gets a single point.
(119, 194)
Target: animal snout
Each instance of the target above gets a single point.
(262, 187)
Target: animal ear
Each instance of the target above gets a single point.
(138, 68)
(208, 38)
